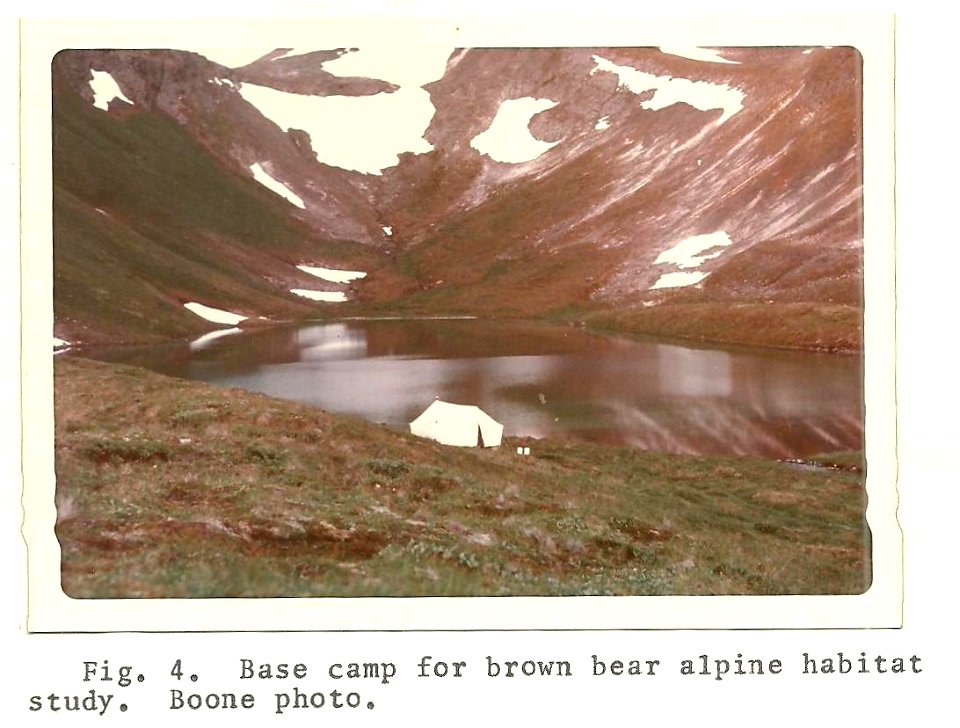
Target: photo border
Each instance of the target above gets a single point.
(50, 610)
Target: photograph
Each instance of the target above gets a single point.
(423, 320)
(478, 363)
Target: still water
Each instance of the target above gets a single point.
(542, 381)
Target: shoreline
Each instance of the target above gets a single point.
(596, 321)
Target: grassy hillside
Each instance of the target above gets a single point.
(167, 488)
(145, 220)
(794, 325)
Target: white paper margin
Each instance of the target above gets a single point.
(51, 611)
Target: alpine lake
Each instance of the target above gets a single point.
(541, 381)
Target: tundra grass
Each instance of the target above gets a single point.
(810, 326)
(169, 488)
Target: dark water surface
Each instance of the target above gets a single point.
(541, 381)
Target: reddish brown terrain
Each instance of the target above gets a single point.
(577, 231)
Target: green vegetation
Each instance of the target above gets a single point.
(145, 220)
(795, 325)
(167, 488)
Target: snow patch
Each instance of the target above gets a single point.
(696, 53)
(332, 274)
(678, 279)
(234, 57)
(330, 296)
(387, 230)
(293, 52)
(216, 315)
(204, 341)
(823, 173)
(689, 253)
(261, 176)
(417, 65)
(360, 133)
(702, 95)
(508, 138)
(60, 343)
(602, 123)
(457, 57)
(105, 90)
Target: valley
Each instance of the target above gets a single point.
(193, 182)
(648, 261)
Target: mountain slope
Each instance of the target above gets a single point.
(781, 177)
(625, 180)
(145, 221)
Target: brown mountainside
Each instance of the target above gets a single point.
(762, 153)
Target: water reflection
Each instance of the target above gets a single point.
(694, 373)
(204, 341)
(543, 381)
(332, 341)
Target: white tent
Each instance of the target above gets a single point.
(463, 425)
